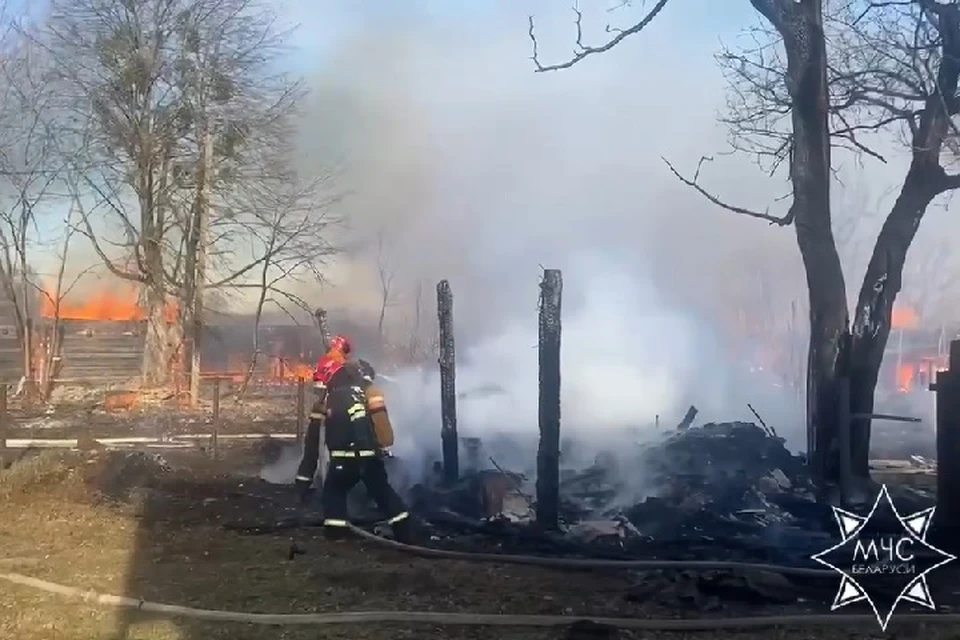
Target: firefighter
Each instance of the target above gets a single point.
(337, 353)
(358, 436)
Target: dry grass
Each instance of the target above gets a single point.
(155, 549)
(34, 473)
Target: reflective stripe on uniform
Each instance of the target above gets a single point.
(317, 416)
(352, 454)
(357, 411)
(304, 478)
(333, 522)
(376, 402)
(397, 518)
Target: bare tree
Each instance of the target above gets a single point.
(117, 60)
(414, 344)
(241, 108)
(287, 220)
(800, 26)
(385, 276)
(893, 67)
(29, 169)
(53, 298)
(185, 94)
(890, 63)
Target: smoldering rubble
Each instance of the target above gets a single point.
(729, 488)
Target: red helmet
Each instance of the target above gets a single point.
(341, 344)
(326, 367)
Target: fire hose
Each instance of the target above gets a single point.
(498, 620)
(466, 619)
(593, 563)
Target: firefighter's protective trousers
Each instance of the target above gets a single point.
(345, 470)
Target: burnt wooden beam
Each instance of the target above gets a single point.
(688, 418)
(548, 454)
(448, 384)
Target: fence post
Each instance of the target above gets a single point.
(548, 454)
(448, 384)
(215, 435)
(947, 388)
(301, 408)
(4, 423)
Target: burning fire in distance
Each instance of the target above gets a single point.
(122, 304)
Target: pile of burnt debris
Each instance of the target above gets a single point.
(732, 486)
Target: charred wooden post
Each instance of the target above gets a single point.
(688, 418)
(448, 384)
(215, 435)
(548, 455)
(301, 408)
(320, 315)
(947, 387)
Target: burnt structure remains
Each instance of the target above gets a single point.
(448, 383)
(548, 454)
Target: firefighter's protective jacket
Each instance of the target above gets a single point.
(354, 412)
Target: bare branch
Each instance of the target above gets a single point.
(778, 220)
(582, 51)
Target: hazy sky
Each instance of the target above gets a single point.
(451, 134)
(476, 169)
(431, 112)
(447, 132)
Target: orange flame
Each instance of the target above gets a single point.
(905, 375)
(116, 305)
(281, 369)
(904, 317)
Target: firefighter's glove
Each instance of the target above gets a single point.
(304, 491)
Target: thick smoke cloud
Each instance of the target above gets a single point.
(475, 169)
(622, 374)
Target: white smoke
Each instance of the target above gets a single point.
(478, 171)
(284, 468)
(628, 361)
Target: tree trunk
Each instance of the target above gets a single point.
(156, 349)
(162, 330)
(828, 324)
(29, 357)
(881, 284)
(800, 23)
(925, 180)
(201, 218)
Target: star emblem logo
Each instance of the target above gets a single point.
(883, 558)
